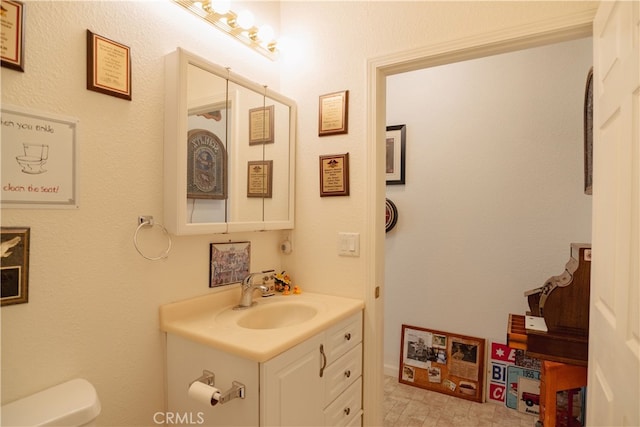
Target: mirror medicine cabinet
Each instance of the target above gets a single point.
(229, 151)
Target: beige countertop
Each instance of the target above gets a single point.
(210, 320)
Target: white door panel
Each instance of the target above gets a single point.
(613, 390)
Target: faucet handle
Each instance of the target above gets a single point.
(248, 280)
(267, 290)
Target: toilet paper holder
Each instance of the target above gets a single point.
(209, 378)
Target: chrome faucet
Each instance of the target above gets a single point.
(247, 287)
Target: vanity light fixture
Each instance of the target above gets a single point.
(239, 25)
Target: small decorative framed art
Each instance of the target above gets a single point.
(15, 265)
(228, 263)
(206, 165)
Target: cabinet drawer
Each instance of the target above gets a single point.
(343, 337)
(343, 372)
(346, 407)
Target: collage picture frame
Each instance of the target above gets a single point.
(444, 362)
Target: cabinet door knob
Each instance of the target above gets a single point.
(347, 411)
(347, 373)
(347, 336)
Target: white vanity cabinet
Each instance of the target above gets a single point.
(317, 382)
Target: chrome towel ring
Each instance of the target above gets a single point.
(147, 221)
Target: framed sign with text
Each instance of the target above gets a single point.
(334, 175)
(260, 178)
(108, 66)
(39, 159)
(12, 34)
(333, 113)
(261, 125)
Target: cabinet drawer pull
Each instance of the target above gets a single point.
(347, 336)
(324, 360)
(347, 411)
(347, 373)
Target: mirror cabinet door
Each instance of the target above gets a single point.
(278, 206)
(208, 142)
(246, 154)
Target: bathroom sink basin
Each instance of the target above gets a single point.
(275, 316)
(270, 314)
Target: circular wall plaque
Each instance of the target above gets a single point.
(391, 215)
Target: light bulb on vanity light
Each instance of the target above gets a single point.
(245, 19)
(221, 7)
(266, 33)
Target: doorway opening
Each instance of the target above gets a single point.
(378, 69)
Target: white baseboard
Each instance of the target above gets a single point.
(391, 370)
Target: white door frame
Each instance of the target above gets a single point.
(523, 37)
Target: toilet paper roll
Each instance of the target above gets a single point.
(204, 393)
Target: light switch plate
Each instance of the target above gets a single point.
(348, 244)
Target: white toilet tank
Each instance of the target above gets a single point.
(74, 403)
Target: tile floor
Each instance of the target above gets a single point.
(407, 406)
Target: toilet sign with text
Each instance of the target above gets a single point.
(39, 161)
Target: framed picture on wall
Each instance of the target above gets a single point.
(395, 149)
(333, 115)
(334, 175)
(260, 178)
(206, 165)
(108, 66)
(228, 263)
(261, 125)
(39, 159)
(15, 265)
(13, 34)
